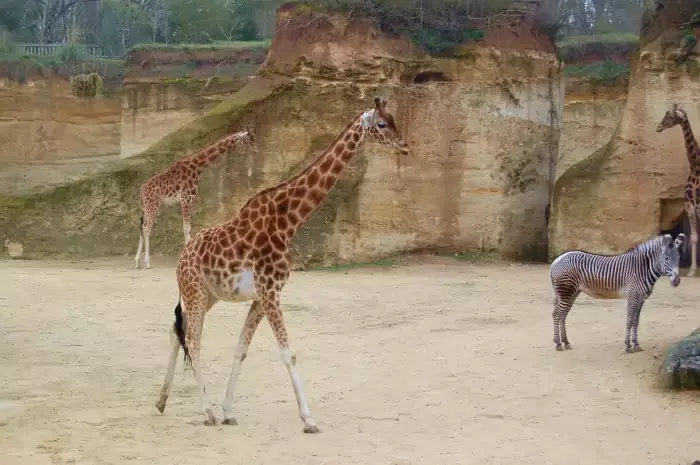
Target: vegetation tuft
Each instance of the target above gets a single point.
(437, 26)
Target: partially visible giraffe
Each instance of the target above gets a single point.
(691, 196)
(180, 183)
(248, 258)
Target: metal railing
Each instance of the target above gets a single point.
(96, 51)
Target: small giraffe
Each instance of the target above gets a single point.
(692, 187)
(180, 183)
(248, 258)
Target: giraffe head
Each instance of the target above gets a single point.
(672, 117)
(246, 140)
(379, 123)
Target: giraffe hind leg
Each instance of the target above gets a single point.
(172, 361)
(193, 308)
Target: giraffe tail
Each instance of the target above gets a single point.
(141, 225)
(179, 327)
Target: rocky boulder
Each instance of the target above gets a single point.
(681, 369)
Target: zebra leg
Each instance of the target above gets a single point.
(563, 301)
(562, 322)
(634, 306)
(635, 326)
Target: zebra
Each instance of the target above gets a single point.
(631, 274)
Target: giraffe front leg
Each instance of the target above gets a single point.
(274, 317)
(255, 315)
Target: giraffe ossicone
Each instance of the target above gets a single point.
(249, 258)
(180, 184)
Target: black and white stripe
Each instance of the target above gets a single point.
(631, 274)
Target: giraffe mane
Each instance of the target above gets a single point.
(305, 170)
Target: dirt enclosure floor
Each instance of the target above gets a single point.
(444, 362)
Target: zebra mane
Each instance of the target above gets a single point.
(653, 243)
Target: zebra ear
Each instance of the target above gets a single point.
(679, 243)
(667, 240)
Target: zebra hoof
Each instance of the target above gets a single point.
(567, 346)
(629, 350)
(560, 349)
(638, 349)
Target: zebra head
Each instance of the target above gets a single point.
(670, 257)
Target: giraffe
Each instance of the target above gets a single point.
(248, 258)
(180, 183)
(691, 196)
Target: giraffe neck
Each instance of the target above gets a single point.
(210, 154)
(691, 145)
(309, 188)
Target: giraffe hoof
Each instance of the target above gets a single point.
(567, 346)
(160, 406)
(560, 348)
(311, 429)
(229, 421)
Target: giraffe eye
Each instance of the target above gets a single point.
(381, 124)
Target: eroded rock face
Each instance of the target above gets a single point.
(48, 135)
(592, 112)
(631, 188)
(484, 127)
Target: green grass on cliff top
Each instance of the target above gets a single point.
(605, 39)
(260, 44)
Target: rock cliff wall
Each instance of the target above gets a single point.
(167, 88)
(48, 136)
(484, 126)
(633, 187)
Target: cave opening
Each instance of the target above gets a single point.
(429, 76)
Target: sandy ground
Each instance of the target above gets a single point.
(439, 363)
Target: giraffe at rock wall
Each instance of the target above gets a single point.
(691, 193)
(248, 258)
(180, 184)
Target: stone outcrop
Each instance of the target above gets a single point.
(484, 126)
(632, 188)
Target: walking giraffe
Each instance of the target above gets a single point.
(691, 194)
(248, 258)
(631, 274)
(180, 183)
